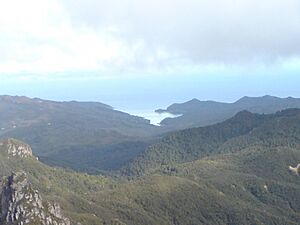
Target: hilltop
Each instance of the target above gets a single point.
(196, 113)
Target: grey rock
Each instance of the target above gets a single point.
(15, 148)
(20, 204)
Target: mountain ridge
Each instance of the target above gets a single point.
(64, 133)
(50, 127)
(244, 177)
(195, 113)
(243, 129)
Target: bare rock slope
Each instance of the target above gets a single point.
(14, 147)
(21, 204)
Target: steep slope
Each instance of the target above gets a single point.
(196, 113)
(55, 185)
(246, 180)
(233, 189)
(20, 204)
(61, 128)
(253, 186)
(92, 137)
(244, 129)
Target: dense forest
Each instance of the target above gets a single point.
(235, 172)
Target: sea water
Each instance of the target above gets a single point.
(155, 118)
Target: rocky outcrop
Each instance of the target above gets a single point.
(15, 147)
(21, 204)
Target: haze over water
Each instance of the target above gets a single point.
(155, 118)
(144, 93)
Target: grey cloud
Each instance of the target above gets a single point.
(201, 31)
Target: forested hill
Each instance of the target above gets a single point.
(245, 129)
(63, 122)
(248, 174)
(93, 137)
(196, 113)
(60, 133)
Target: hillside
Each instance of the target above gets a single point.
(94, 138)
(243, 130)
(21, 204)
(67, 128)
(196, 113)
(246, 180)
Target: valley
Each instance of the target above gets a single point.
(156, 112)
(94, 138)
(233, 172)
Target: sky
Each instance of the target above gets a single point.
(142, 54)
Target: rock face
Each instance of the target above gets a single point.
(21, 204)
(15, 147)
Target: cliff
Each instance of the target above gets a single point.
(21, 204)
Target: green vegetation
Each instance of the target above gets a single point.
(70, 129)
(235, 172)
(244, 130)
(94, 138)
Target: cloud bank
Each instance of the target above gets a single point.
(131, 36)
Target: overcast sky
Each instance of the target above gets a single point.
(155, 45)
